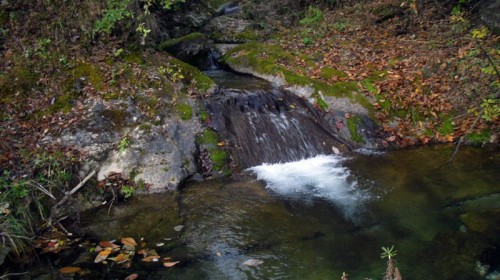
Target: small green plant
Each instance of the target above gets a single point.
(307, 41)
(491, 109)
(392, 271)
(143, 31)
(313, 16)
(127, 191)
(173, 73)
(116, 11)
(124, 144)
(340, 26)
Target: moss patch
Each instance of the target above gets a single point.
(193, 76)
(170, 43)
(352, 124)
(446, 127)
(184, 110)
(249, 55)
(90, 72)
(329, 72)
(479, 137)
(220, 158)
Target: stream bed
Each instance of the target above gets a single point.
(318, 218)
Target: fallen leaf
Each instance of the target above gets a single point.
(103, 255)
(151, 259)
(105, 244)
(132, 276)
(120, 258)
(170, 264)
(69, 269)
(253, 262)
(128, 241)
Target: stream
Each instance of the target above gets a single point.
(335, 217)
(317, 217)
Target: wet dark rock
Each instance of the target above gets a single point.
(490, 14)
(270, 126)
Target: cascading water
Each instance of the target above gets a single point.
(270, 126)
(283, 139)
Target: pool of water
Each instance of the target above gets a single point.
(319, 218)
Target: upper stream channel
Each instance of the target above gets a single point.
(314, 214)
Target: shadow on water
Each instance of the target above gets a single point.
(444, 222)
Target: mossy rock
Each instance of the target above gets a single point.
(193, 76)
(251, 58)
(172, 44)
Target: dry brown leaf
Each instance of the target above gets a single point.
(170, 264)
(69, 269)
(132, 276)
(128, 241)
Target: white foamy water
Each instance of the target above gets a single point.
(322, 176)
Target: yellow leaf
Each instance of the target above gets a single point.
(103, 255)
(120, 258)
(69, 269)
(128, 241)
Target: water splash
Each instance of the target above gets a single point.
(322, 176)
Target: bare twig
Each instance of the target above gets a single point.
(463, 137)
(42, 189)
(68, 195)
(5, 276)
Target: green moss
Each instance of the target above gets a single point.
(184, 110)
(90, 72)
(21, 78)
(168, 44)
(247, 35)
(342, 89)
(219, 159)
(193, 76)
(133, 58)
(208, 137)
(321, 103)
(250, 55)
(446, 127)
(352, 125)
(202, 113)
(480, 137)
(63, 103)
(329, 72)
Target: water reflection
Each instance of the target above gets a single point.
(441, 221)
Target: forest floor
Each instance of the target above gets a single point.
(432, 77)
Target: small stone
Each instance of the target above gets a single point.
(178, 228)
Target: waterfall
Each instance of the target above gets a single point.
(270, 126)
